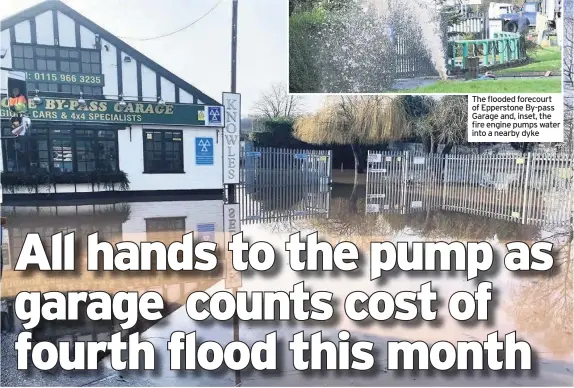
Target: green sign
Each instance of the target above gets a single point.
(65, 78)
(101, 111)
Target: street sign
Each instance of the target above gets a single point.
(374, 158)
(373, 196)
(231, 142)
(231, 226)
(373, 208)
(204, 151)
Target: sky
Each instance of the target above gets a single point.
(200, 54)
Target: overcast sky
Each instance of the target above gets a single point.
(199, 54)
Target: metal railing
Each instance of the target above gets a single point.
(475, 25)
(504, 47)
(530, 189)
(281, 183)
(284, 167)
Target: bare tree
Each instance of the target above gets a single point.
(568, 46)
(278, 103)
(445, 124)
(568, 144)
(543, 306)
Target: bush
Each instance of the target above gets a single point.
(531, 44)
(278, 134)
(108, 180)
(303, 32)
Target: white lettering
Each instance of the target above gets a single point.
(232, 103)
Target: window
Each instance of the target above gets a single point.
(62, 155)
(82, 224)
(63, 60)
(90, 62)
(43, 87)
(61, 150)
(165, 229)
(163, 151)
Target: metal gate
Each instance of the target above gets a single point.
(531, 189)
(278, 182)
(402, 182)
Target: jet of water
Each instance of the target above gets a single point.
(426, 14)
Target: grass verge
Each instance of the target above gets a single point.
(518, 85)
(541, 60)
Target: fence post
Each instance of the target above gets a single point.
(330, 167)
(368, 165)
(525, 191)
(444, 179)
(367, 182)
(405, 174)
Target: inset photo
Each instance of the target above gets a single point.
(425, 46)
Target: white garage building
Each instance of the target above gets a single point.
(141, 129)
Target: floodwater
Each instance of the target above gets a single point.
(539, 308)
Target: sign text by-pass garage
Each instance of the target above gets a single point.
(231, 145)
(131, 112)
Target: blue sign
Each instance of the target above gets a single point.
(301, 156)
(204, 151)
(206, 232)
(214, 115)
(253, 154)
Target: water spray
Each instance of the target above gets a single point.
(427, 16)
(359, 48)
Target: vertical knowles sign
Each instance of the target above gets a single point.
(231, 147)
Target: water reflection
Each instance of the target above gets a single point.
(539, 308)
(535, 190)
(543, 306)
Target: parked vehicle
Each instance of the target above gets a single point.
(530, 9)
(495, 10)
(549, 21)
(544, 15)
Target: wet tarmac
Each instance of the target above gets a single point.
(539, 308)
(413, 83)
